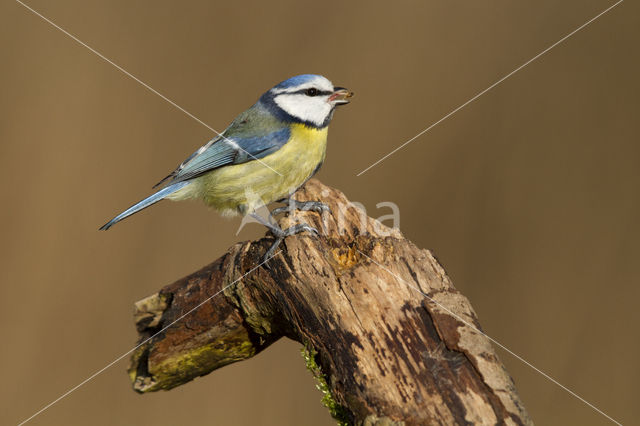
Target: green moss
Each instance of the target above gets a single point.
(199, 361)
(338, 412)
(190, 363)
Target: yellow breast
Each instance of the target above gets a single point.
(249, 185)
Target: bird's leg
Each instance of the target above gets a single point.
(292, 204)
(273, 227)
(280, 233)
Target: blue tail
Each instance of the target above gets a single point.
(145, 203)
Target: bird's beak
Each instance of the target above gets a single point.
(340, 96)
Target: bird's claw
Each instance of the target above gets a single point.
(296, 229)
(281, 234)
(269, 254)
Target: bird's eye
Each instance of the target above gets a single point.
(312, 92)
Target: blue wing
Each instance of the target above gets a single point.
(238, 144)
(230, 150)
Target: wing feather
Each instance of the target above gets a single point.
(253, 135)
(227, 151)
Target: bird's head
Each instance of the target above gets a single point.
(308, 98)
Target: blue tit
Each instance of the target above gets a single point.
(267, 152)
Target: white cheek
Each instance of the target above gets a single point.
(312, 109)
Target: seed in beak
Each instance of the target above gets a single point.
(340, 96)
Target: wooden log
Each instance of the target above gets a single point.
(385, 332)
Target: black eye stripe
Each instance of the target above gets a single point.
(304, 92)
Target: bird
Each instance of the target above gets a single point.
(266, 153)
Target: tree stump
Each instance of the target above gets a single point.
(385, 332)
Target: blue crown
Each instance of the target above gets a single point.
(296, 81)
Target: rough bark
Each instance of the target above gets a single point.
(387, 334)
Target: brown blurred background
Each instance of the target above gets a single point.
(529, 196)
